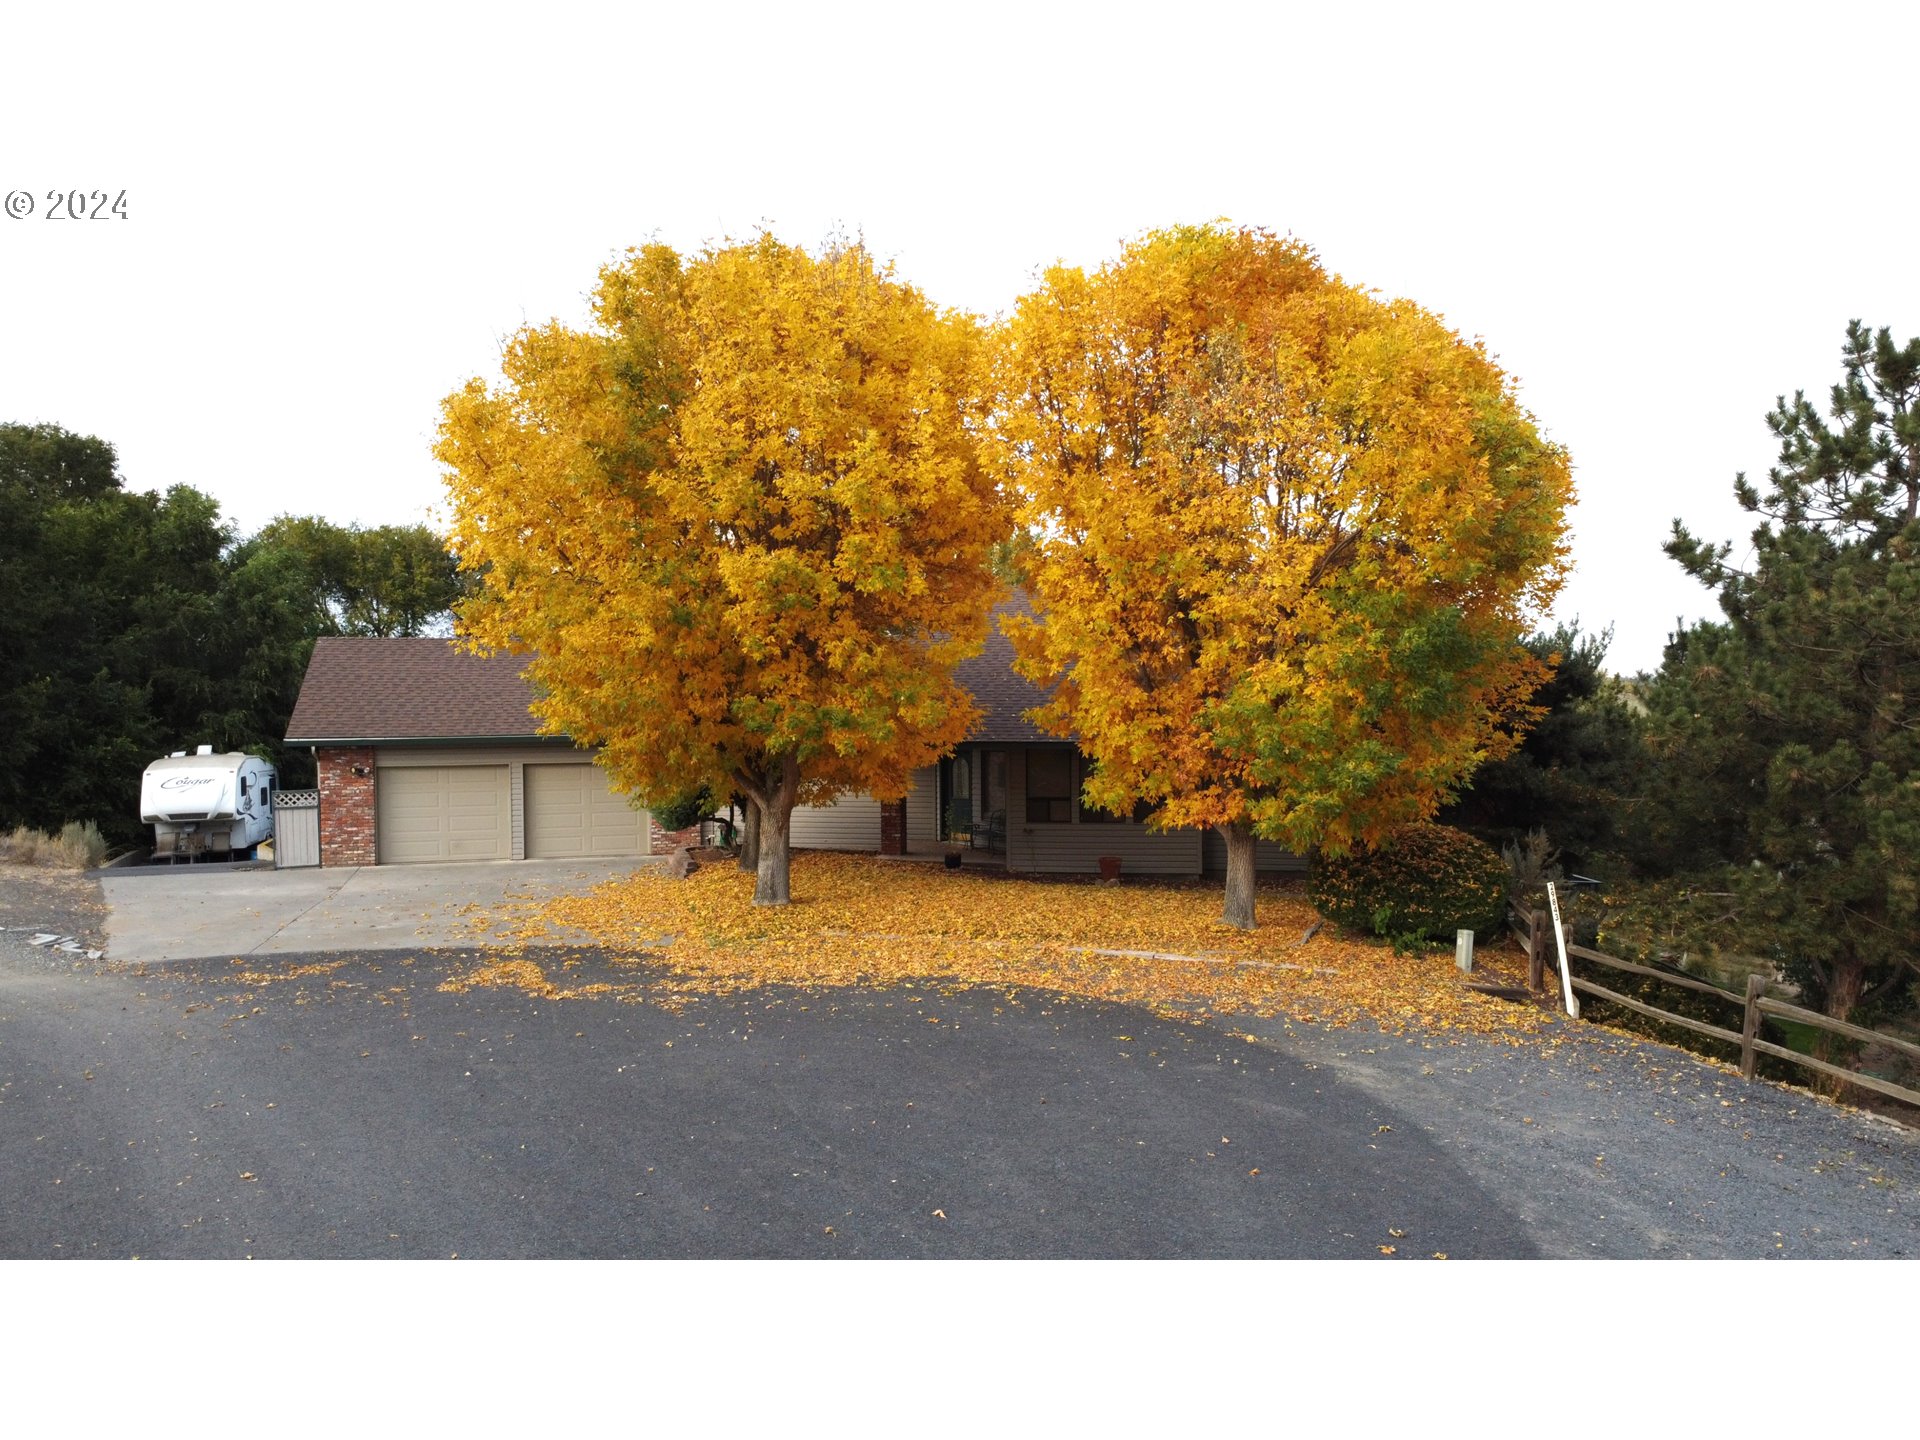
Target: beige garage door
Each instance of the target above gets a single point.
(571, 814)
(452, 812)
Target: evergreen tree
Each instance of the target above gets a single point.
(1789, 734)
(1576, 770)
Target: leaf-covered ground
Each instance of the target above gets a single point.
(860, 920)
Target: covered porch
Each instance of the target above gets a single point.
(925, 852)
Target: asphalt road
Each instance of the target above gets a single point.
(347, 1117)
(367, 1113)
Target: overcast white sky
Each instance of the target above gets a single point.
(1657, 218)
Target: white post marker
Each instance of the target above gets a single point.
(1560, 939)
(1463, 949)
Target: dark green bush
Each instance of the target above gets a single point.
(1422, 882)
(687, 810)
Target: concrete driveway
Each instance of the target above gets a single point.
(158, 914)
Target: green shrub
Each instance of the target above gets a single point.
(678, 814)
(1423, 882)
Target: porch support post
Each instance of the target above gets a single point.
(893, 827)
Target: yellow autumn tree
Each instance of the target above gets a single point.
(740, 526)
(1289, 538)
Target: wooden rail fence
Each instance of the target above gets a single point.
(1536, 934)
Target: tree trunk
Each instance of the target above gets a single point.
(749, 834)
(771, 877)
(772, 883)
(1848, 980)
(1239, 907)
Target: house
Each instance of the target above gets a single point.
(427, 753)
(1018, 788)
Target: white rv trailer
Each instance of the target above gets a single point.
(207, 804)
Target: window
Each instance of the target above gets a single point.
(1049, 787)
(1091, 816)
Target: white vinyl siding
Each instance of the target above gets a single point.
(440, 813)
(850, 823)
(570, 813)
(923, 808)
(853, 821)
(1267, 856)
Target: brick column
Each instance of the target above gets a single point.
(346, 804)
(893, 827)
(665, 842)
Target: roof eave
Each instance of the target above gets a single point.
(521, 739)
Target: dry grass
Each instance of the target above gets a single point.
(78, 846)
(857, 920)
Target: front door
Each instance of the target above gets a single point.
(956, 797)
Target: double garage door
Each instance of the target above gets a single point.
(465, 812)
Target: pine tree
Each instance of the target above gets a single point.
(1791, 732)
(1577, 770)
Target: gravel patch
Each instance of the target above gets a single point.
(38, 901)
(1607, 1145)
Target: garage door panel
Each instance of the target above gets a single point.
(453, 812)
(408, 804)
(571, 814)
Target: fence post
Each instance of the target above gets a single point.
(1750, 1026)
(1536, 955)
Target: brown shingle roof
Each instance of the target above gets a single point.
(359, 689)
(1003, 695)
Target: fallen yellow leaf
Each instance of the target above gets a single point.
(859, 920)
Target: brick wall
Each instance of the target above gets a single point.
(665, 842)
(346, 804)
(893, 827)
